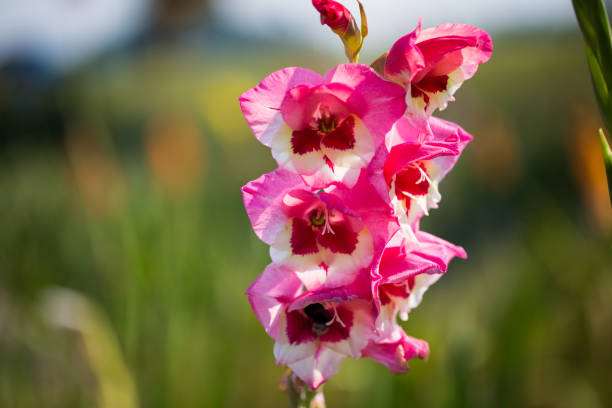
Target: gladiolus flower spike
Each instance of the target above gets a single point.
(360, 160)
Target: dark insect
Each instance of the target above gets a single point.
(319, 316)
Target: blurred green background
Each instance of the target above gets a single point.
(120, 181)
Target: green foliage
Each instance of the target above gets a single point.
(595, 25)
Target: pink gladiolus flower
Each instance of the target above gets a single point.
(396, 349)
(324, 235)
(314, 330)
(432, 64)
(405, 271)
(326, 129)
(333, 14)
(418, 159)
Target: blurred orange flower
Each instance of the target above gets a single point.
(96, 175)
(175, 154)
(588, 168)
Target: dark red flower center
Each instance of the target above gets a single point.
(325, 228)
(399, 290)
(428, 85)
(411, 181)
(326, 131)
(317, 218)
(317, 321)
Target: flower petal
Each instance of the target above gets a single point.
(305, 141)
(343, 240)
(303, 238)
(477, 53)
(452, 136)
(343, 136)
(395, 353)
(263, 201)
(261, 105)
(317, 369)
(376, 101)
(267, 294)
(405, 60)
(299, 328)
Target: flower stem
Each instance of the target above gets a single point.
(300, 396)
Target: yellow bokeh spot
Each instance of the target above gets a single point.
(220, 107)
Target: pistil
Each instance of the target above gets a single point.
(327, 123)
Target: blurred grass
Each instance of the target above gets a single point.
(157, 238)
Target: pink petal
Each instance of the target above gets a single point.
(410, 141)
(473, 55)
(298, 202)
(442, 55)
(373, 210)
(448, 135)
(408, 129)
(261, 105)
(408, 259)
(405, 60)
(407, 153)
(303, 101)
(263, 202)
(403, 259)
(441, 249)
(275, 286)
(376, 101)
(358, 289)
(396, 353)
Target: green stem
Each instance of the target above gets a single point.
(300, 396)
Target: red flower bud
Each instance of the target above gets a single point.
(333, 14)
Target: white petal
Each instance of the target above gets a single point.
(286, 353)
(422, 282)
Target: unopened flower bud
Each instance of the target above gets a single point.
(333, 14)
(340, 20)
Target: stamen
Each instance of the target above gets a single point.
(327, 226)
(335, 318)
(422, 203)
(432, 185)
(424, 175)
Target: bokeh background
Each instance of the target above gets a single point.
(125, 250)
